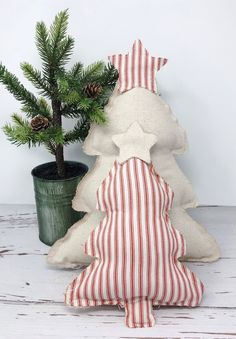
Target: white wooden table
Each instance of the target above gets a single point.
(31, 293)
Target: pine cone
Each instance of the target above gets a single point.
(92, 90)
(39, 123)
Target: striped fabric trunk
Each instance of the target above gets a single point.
(135, 249)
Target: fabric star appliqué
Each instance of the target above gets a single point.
(137, 68)
(134, 143)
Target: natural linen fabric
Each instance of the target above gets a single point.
(135, 249)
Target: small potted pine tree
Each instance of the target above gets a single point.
(78, 93)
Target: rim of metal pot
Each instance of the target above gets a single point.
(82, 165)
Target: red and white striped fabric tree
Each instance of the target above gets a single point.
(135, 249)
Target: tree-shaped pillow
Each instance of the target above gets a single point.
(135, 249)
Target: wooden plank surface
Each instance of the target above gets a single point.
(31, 292)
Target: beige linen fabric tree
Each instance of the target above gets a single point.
(155, 117)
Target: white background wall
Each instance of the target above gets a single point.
(199, 82)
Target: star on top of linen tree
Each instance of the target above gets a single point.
(134, 143)
(137, 68)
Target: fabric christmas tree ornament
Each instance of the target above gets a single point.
(135, 249)
(142, 105)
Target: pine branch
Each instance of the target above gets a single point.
(76, 70)
(55, 48)
(76, 100)
(52, 134)
(13, 85)
(109, 76)
(20, 133)
(45, 108)
(92, 72)
(97, 115)
(103, 99)
(64, 51)
(58, 30)
(78, 133)
(72, 98)
(44, 48)
(19, 121)
(63, 86)
(35, 77)
(72, 111)
(67, 83)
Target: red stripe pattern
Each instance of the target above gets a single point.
(137, 68)
(135, 249)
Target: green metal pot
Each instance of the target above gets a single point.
(54, 199)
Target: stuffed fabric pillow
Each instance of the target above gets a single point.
(135, 249)
(160, 121)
